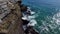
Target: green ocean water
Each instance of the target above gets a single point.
(47, 16)
(44, 20)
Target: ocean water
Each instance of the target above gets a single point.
(47, 15)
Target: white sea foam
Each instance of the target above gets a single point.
(28, 8)
(56, 17)
(32, 22)
(30, 17)
(24, 17)
(32, 12)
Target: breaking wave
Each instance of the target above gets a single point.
(30, 18)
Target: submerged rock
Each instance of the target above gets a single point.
(30, 30)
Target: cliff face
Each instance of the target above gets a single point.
(10, 17)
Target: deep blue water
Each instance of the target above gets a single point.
(48, 13)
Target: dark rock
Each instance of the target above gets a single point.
(28, 13)
(30, 30)
(19, 2)
(23, 7)
(25, 22)
(2, 33)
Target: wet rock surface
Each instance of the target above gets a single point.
(25, 22)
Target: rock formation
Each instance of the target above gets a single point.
(10, 17)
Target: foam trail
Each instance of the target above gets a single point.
(32, 22)
(30, 10)
(24, 17)
(30, 17)
(56, 17)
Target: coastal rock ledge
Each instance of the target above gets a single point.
(10, 17)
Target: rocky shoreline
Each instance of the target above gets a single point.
(27, 28)
(12, 18)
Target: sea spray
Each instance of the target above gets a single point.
(32, 22)
(30, 18)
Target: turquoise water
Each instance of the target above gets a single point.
(47, 15)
